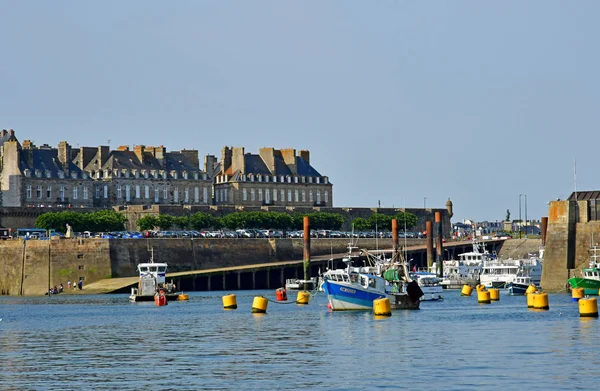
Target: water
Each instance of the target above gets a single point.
(106, 343)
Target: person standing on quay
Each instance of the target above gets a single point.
(80, 285)
(68, 285)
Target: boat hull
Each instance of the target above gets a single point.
(432, 293)
(517, 289)
(142, 298)
(344, 297)
(590, 287)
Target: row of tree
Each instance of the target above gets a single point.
(109, 220)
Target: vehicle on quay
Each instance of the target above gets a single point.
(298, 284)
(590, 276)
(355, 288)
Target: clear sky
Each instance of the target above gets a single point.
(476, 101)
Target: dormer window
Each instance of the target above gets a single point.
(84, 175)
(205, 176)
(106, 174)
(226, 179)
(259, 178)
(196, 176)
(61, 174)
(281, 179)
(136, 173)
(325, 181)
(266, 178)
(116, 173)
(38, 173)
(48, 174)
(275, 180)
(174, 174)
(318, 180)
(27, 172)
(295, 179)
(74, 174)
(127, 173)
(251, 177)
(303, 179)
(310, 179)
(155, 174)
(185, 175)
(244, 178)
(289, 179)
(146, 174)
(164, 174)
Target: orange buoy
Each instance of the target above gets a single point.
(160, 298)
(281, 294)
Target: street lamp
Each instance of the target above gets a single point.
(525, 216)
(520, 221)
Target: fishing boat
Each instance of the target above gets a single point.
(152, 280)
(499, 273)
(519, 285)
(355, 288)
(590, 279)
(430, 285)
(466, 269)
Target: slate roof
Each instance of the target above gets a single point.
(585, 195)
(43, 159)
(7, 137)
(255, 165)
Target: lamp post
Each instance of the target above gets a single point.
(525, 216)
(520, 221)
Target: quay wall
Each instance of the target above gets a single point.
(30, 267)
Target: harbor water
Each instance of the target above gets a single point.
(104, 342)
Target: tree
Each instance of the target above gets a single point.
(104, 220)
(147, 223)
(182, 222)
(201, 221)
(164, 221)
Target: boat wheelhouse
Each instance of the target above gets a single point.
(590, 276)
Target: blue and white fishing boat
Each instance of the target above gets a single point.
(355, 288)
(519, 285)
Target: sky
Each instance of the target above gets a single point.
(402, 103)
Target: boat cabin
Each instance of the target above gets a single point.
(156, 270)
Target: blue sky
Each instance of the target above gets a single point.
(396, 100)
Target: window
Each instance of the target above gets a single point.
(105, 191)
(217, 194)
(303, 179)
(267, 195)
(259, 193)
(75, 195)
(310, 179)
(97, 190)
(205, 194)
(176, 194)
(266, 178)
(303, 195)
(85, 192)
(244, 195)
(295, 179)
(48, 174)
(127, 193)
(252, 195)
(186, 194)
(318, 196)
(185, 175)
(196, 194)
(282, 195)
(196, 176)
(61, 193)
(137, 191)
(295, 195)
(28, 192)
(289, 179)
(289, 196)
(274, 178)
(126, 173)
(146, 176)
(326, 196)
(226, 195)
(281, 179)
(318, 180)
(118, 192)
(310, 197)
(146, 192)
(156, 194)
(61, 174)
(259, 178)
(274, 194)
(166, 193)
(49, 191)
(38, 191)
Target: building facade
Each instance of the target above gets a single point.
(98, 177)
(271, 178)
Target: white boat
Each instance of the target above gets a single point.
(355, 288)
(519, 285)
(467, 268)
(296, 284)
(499, 273)
(152, 280)
(429, 284)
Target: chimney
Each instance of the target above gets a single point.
(4, 132)
(268, 156)
(289, 157)
(210, 163)
(11, 135)
(160, 153)
(139, 152)
(64, 156)
(305, 155)
(27, 145)
(103, 154)
(123, 148)
(238, 160)
(192, 156)
(28, 148)
(225, 158)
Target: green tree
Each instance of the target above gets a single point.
(147, 223)
(201, 221)
(164, 221)
(105, 220)
(182, 222)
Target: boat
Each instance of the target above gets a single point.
(499, 273)
(466, 269)
(355, 288)
(590, 276)
(519, 285)
(152, 280)
(430, 285)
(297, 284)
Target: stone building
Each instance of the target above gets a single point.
(273, 177)
(98, 177)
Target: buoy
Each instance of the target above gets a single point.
(229, 302)
(494, 294)
(530, 289)
(480, 287)
(466, 290)
(160, 298)
(183, 296)
(382, 307)
(259, 305)
(577, 293)
(483, 297)
(530, 299)
(329, 305)
(281, 294)
(588, 307)
(540, 301)
(303, 297)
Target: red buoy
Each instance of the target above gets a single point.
(281, 294)
(160, 298)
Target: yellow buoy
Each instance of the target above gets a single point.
(302, 297)
(577, 293)
(466, 290)
(259, 305)
(530, 300)
(530, 289)
(229, 302)
(480, 287)
(588, 307)
(483, 297)
(183, 296)
(540, 301)
(382, 307)
(494, 294)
